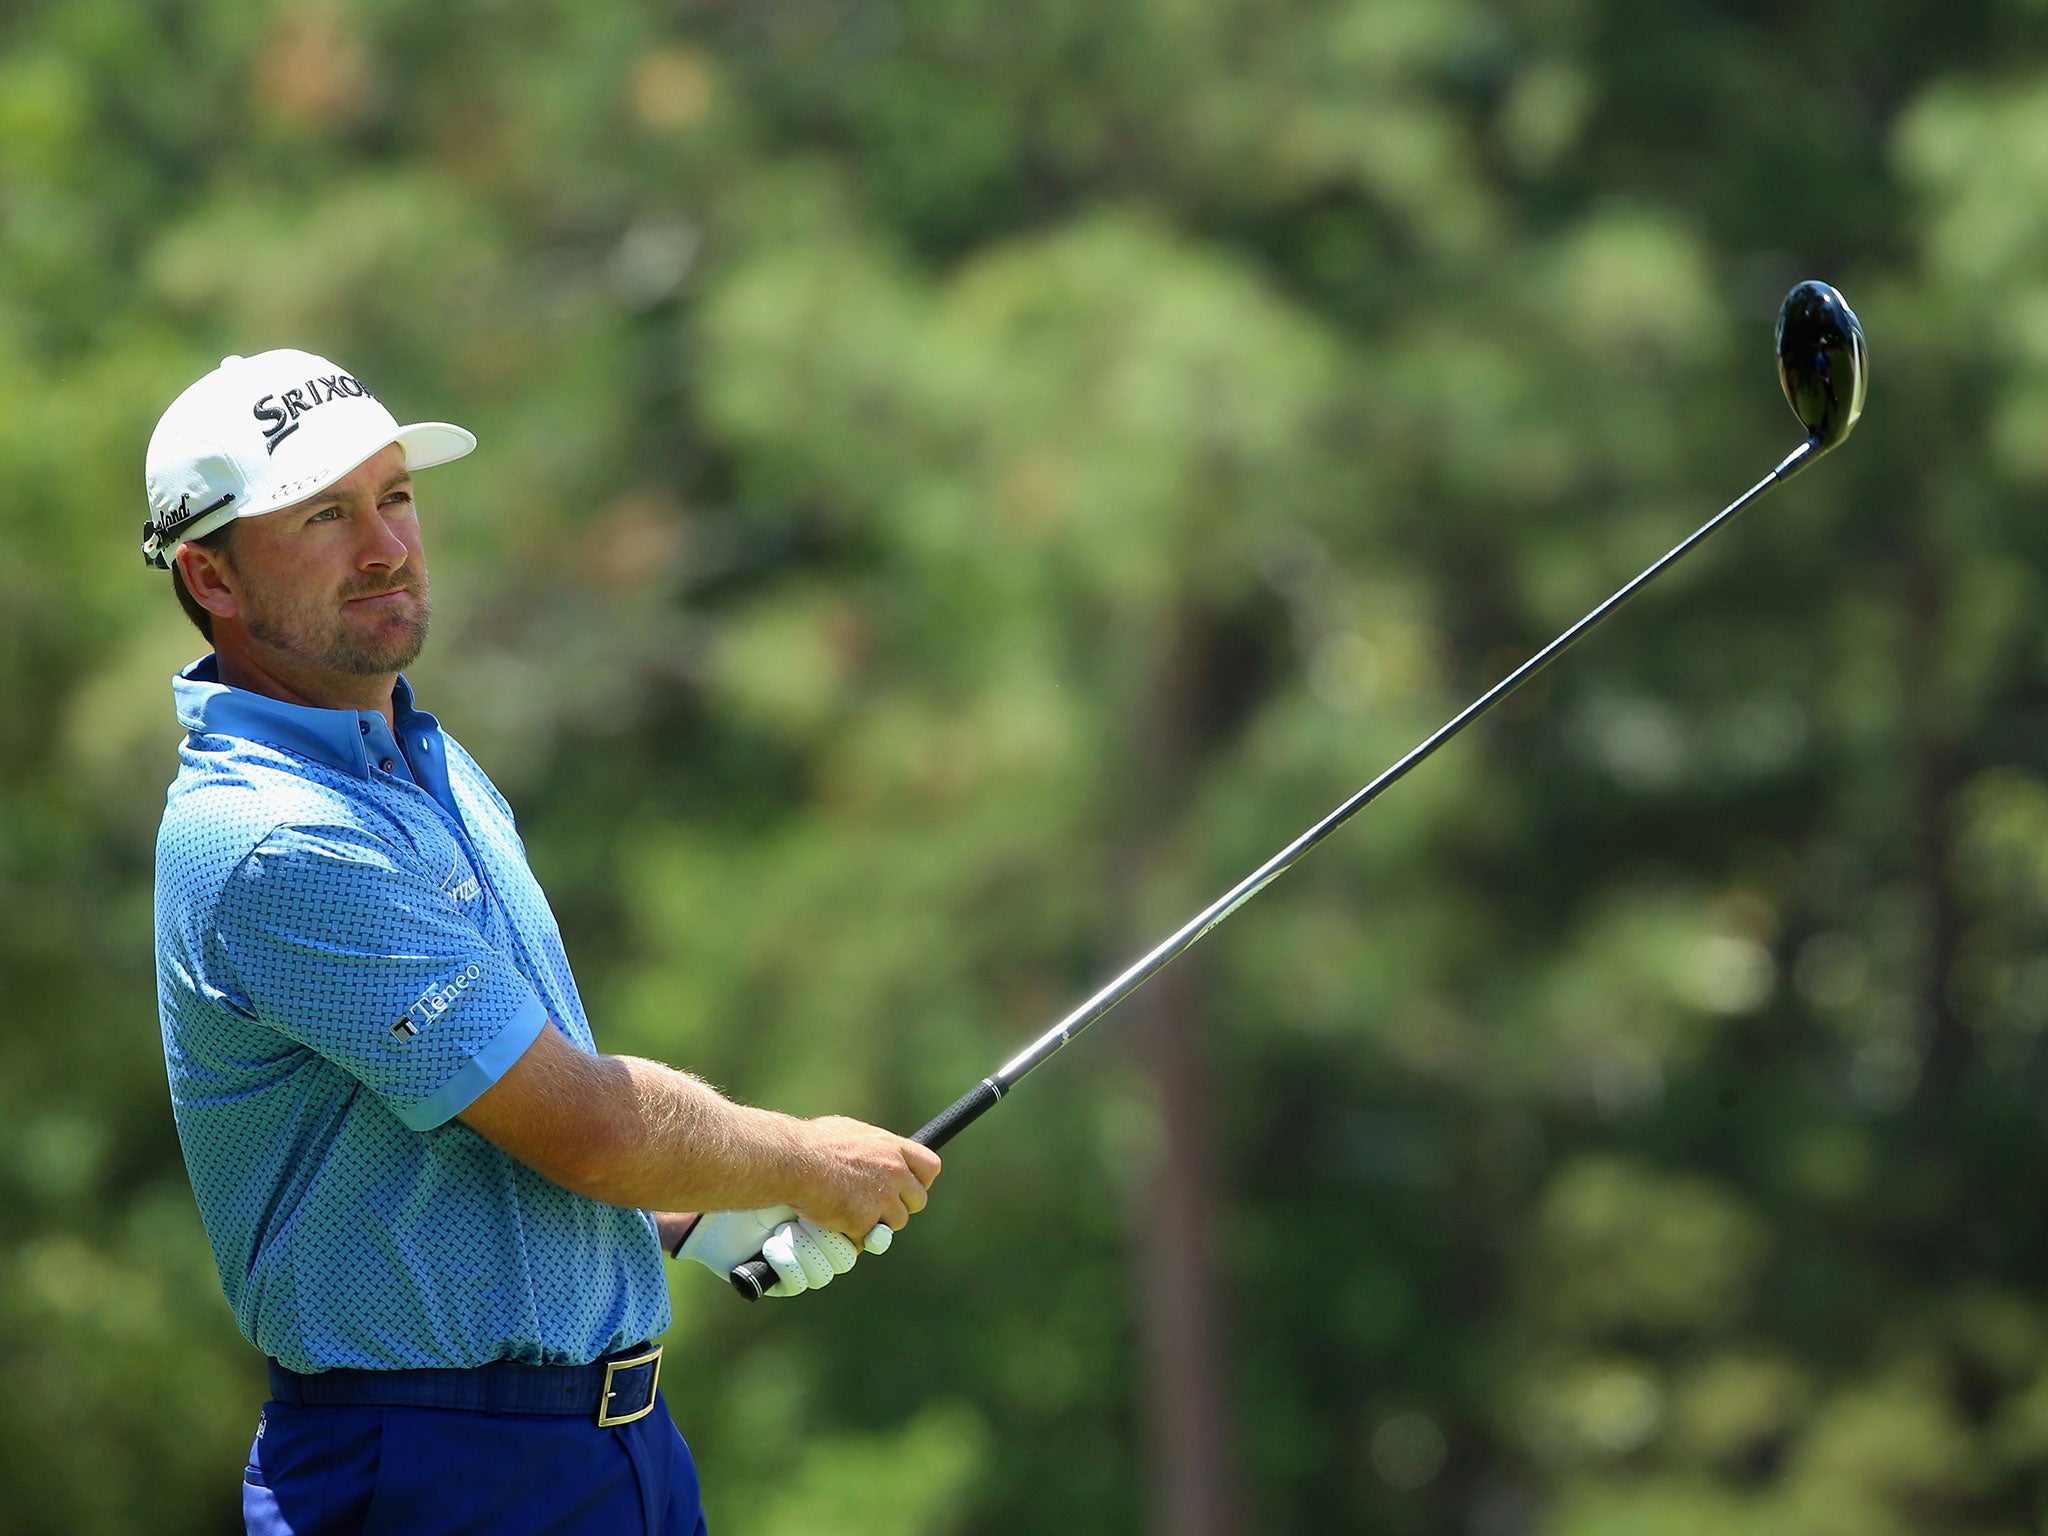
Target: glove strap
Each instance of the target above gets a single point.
(677, 1251)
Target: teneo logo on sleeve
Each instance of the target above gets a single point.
(435, 1001)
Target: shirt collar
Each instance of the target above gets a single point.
(336, 737)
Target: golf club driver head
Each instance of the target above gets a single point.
(1821, 362)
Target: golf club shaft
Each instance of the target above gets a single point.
(753, 1278)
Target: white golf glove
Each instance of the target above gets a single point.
(804, 1256)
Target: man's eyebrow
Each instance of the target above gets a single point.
(329, 498)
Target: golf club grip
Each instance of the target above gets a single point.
(960, 1114)
(754, 1278)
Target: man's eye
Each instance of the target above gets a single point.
(399, 496)
(325, 514)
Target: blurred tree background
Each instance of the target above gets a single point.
(960, 484)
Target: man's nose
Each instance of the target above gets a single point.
(380, 547)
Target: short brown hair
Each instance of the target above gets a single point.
(217, 541)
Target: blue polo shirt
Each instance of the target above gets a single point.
(350, 949)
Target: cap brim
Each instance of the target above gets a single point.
(426, 443)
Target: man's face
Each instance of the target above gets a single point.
(337, 583)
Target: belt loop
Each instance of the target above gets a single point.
(284, 1384)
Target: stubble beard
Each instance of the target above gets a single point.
(319, 635)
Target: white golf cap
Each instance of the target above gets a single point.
(263, 432)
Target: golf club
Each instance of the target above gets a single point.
(1822, 365)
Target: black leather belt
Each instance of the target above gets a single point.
(616, 1389)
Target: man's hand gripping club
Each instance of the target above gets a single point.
(862, 1169)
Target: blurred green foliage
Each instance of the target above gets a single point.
(960, 484)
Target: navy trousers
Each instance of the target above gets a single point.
(326, 1471)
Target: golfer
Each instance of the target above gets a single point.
(436, 1208)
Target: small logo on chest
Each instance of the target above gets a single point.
(459, 884)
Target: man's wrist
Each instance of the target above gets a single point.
(802, 1172)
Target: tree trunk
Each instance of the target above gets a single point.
(1178, 1293)
(1180, 1308)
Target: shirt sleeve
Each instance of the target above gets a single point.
(345, 945)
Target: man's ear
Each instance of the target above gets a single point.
(208, 577)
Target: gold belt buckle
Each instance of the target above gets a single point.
(605, 1417)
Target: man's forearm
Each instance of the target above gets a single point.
(673, 1142)
(639, 1134)
(636, 1133)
